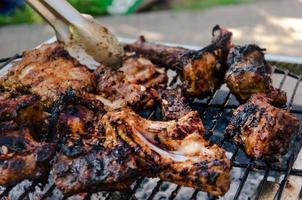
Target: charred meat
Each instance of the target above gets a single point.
(105, 151)
(140, 70)
(83, 164)
(134, 84)
(262, 130)
(249, 73)
(174, 150)
(201, 71)
(24, 109)
(22, 156)
(173, 104)
(49, 71)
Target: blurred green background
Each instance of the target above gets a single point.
(24, 14)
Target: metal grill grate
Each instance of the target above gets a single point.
(215, 112)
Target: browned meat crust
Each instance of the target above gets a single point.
(173, 104)
(134, 84)
(83, 164)
(174, 151)
(262, 130)
(249, 74)
(139, 70)
(21, 155)
(109, 151)
(202, 71)
(13, 105)
(49, 71)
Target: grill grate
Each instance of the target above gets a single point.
(215, 112)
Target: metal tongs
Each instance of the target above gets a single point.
(85, 39)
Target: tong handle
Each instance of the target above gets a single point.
(67, 12)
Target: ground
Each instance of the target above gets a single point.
(273, 24)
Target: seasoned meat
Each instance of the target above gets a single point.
(83, 163)
(262, 130)
(23, 109)
(133, 84)
(249, 73)
(202, 71)
(48, 71)
(14, 105)
(104, 151)
(173, 104)
(139, 70)
(22, 156)
(174, 150)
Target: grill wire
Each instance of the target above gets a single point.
(215, 112)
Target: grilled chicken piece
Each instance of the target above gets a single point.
(139, 70)
(83, 163)
(262, 130)
(21, 155)
(202, 71)
(48, 71)
(249, 73)
(109, 151)
(14, 106)
(173, 104)
(174, 151)
(134, 84)
(24, 109)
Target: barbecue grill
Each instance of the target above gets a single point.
(250, 178)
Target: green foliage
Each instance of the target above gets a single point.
(27, 15)
(203, 4)
(93, 7)
(98, 7)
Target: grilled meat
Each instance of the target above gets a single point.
(14, 105)
(139, 70)
(24, 109)
(48, 71)
(22, 156)
(202, 71)
(174, 151)
(249, 73)
(262, 130)
(133, 84)
(109, 151)
(83, 164)
(173, 104)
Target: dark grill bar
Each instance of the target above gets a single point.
(215, 112)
